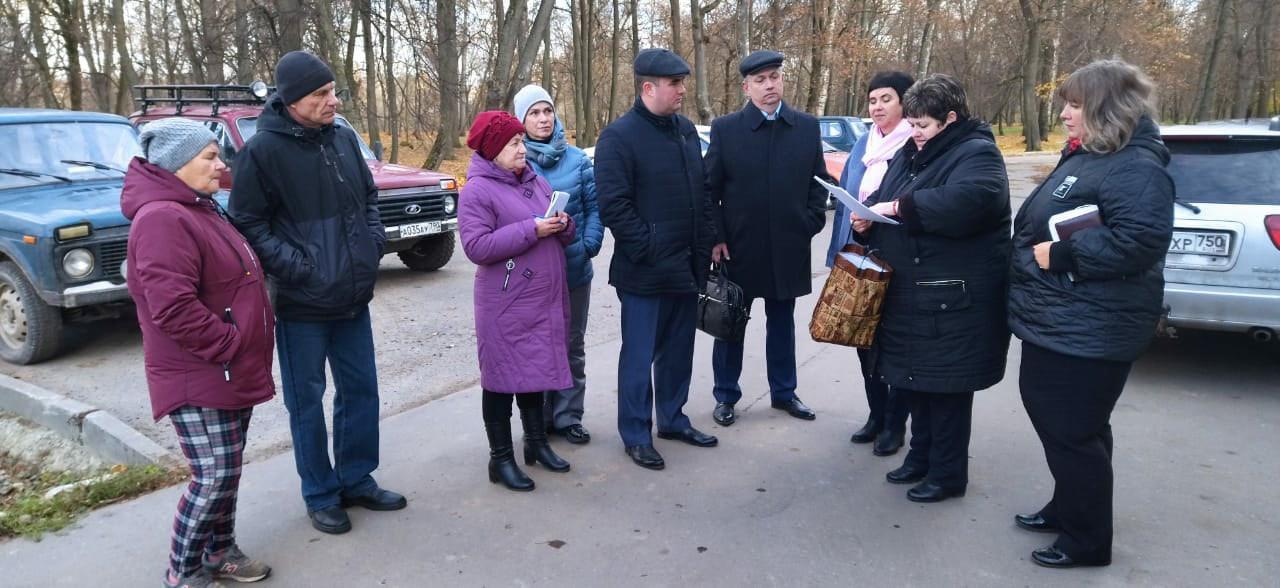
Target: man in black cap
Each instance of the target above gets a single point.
(768, 207)
(306, 201)
(649, 180)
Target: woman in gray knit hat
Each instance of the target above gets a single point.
(207, 338)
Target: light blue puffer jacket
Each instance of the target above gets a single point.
(567, 169)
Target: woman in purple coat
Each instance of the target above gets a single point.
(521, 293)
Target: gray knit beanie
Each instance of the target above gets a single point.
(171, 142)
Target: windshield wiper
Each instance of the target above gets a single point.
(30, 174)
(1187, 205)
(93, 164)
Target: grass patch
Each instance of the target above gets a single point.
(1012, 142)
(27, 513)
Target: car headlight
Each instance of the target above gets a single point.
(77, 263)
(450, 204)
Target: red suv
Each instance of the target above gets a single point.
(419, 207)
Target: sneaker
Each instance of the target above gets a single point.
(199, 579)
(237, 567)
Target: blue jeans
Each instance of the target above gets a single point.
(656, 362)
(779, 353)
(347, 344)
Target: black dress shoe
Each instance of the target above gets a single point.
(723, 415)
(332, 520)
(888, 443)
(1034, 522)
(929, 492)
(575, 434)
(1052, 557)
(691, 436)
(867, 433)
(646, 456)
(795, 408)
(905, 475)
(379, 499)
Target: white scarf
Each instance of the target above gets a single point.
(880, 149)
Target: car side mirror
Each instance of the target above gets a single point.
(377, 150)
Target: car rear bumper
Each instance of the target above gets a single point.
(1221, 308)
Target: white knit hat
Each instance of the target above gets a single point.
(527, 97)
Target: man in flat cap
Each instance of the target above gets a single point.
(304, 198)
(649, 181)
(767, 208)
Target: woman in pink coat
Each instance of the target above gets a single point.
(521, 292)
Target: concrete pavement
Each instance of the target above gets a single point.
(781, 502)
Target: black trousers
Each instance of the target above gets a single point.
(940, 426)
(496, 406)
(1069, 400)
(888, 406)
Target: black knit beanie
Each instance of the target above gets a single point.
(299, 73)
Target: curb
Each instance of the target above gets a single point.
(99, 431)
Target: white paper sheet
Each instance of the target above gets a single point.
(853, 205)
(861, 261)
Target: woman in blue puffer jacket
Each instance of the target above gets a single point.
(567, 169)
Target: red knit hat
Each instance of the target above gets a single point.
(491, 131)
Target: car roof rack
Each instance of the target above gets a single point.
(182, 95)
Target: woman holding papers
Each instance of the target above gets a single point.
(942, 333)
(1087, 306)
(521, 297)
(887, 423)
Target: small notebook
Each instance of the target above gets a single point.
(1065, 224)
(558, 201)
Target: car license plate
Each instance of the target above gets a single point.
(1200, 243)
(419, 229)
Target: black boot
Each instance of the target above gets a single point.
(867, 433)
(502, 459)
(536, 449)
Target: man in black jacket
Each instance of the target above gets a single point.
(649, 180)
(306, 201)
(760, 170)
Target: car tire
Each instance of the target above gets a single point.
(30, 330)
(430, 253)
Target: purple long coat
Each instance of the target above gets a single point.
(521, 318)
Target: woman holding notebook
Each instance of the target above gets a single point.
(1086, 306)
(521, 296)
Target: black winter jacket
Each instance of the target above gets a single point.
(943, 324)
(306, 201)
(649, 181)
(1111, 309)
(767, 205)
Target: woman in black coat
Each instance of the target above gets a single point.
(1087, 306)
(942, 334)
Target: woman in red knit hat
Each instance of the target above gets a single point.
(521, 293)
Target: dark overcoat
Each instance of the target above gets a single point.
(943, 327)
(767, 205)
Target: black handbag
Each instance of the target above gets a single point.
(723, 311)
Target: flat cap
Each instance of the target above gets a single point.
(759, 60)
(660, 63)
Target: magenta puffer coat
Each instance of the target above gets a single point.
(207, 326)
(521, 292)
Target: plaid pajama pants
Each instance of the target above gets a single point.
(213, 441)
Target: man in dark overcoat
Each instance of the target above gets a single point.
(760, 177)
(649, 180)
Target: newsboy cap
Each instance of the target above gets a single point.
(759, 61)
(660, 63)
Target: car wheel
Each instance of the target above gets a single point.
(30, 330)
(429, 254)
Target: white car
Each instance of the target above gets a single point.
(704, 136)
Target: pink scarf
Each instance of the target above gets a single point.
(880, 149)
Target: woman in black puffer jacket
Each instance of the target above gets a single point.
(943, 332)
(1086, 307)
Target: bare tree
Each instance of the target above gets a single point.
(40, 57)
(68, 14)
(676, 41)
(702, 91)
(743, 28)
(926, 38)
(1263, 38)
(290, 18)
(614, 40)
(450, 88)
(1204, 103)
(212, 40)
(1032, 15)
(128, 77)
(188, 43)
(389, 80)
(370, 72)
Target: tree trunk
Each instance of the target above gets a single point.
(188, 43)
(614, 41)
(742, 29)
(128, 77)
(90, 49)
(635, 41)
(35, 9)
(1204, 102)
(68, 17)
(153, 64)
(926, 38)
(370, 72)
(676, 41)
(547, 82)
(1047, 119)
(289, 15)
(212, 40)
(1263, 36)
(1030, 70)
(500, 77)
(579, 82)
(326, 35)
(702, 91)
(447, 54)
(588, 137)
(820, 19)
(243, 24)
(389, 80)
(529, 52)
(349, 63)
(1242, 98)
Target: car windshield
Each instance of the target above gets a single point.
(249, 126)
(1226, 172)
(41, 153)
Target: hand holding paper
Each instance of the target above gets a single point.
(853, 205)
